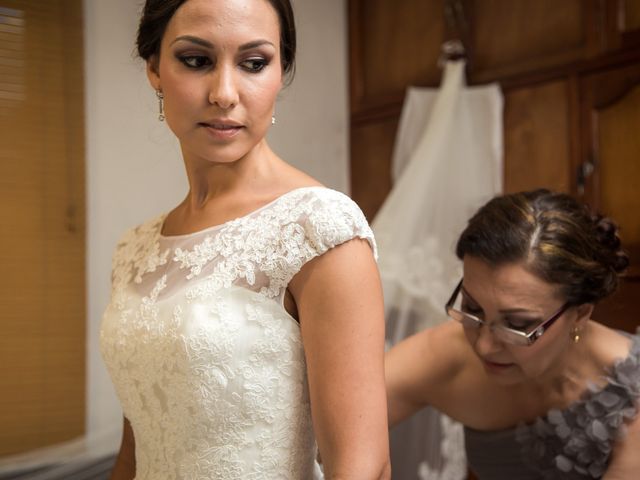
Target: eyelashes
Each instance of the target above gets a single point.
(255, 65)
(194, 62)
(199, 62)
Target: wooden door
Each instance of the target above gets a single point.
(610, 113)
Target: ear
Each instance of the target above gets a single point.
(153, 72)
(583, 313)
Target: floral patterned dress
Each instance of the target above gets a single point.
(207, 363)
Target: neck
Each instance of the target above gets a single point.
(567, 379)
(210, 180)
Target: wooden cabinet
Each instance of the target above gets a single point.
(371, 150)
(392, 44)
(623, 23)
(537, 128)
(570, 75)
(610, 129)
(514, 37)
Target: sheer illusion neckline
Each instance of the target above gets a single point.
(218, 226)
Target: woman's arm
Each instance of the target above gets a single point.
(625, 460)
(125, 466)
(339, 301)
(422, 369)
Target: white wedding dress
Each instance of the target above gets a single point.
(208, 365)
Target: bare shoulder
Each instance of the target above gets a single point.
(607, 345)
(427, 364)
(292, 178)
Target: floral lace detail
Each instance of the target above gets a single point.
(137, 253)
(577, 442)
(275, 244)
(208, 365)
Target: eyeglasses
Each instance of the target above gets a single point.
(502, 332)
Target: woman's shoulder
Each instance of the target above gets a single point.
(593, 423)
(142, 233)
(327, 217)
(609, 348)
(320, 196)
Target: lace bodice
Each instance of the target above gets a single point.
(208, 365)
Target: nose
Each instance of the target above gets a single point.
(486, 342)
(223, 90)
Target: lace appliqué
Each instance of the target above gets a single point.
(577, 442)
(272, 247)
(137, 254)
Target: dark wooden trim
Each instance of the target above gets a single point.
(376, 113)
(392, 106)
(584, 67)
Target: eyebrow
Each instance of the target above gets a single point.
(507, 310)
(205, 43)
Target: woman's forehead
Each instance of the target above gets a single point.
(252, 17)
(509, 285)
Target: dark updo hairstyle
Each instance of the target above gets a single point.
(156, 14)
(555, 236)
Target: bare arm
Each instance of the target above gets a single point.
(125, 466)
(625, 461)
(339, 301)
(420, 370)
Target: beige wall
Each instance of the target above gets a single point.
(134, 170)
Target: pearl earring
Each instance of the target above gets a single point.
(160, 96)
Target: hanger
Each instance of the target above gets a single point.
(451, 50)
(456, 30)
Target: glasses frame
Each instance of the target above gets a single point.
(528, 339)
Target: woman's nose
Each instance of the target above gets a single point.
(223, 90)
(486, 342)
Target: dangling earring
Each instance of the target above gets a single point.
(576, 335)
(160, 96)
(273, 119)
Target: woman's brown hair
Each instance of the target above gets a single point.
(556, 237)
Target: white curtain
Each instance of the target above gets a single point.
(447, 162)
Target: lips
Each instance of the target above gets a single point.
(221, 123)
(221, 126)
(222, 129)
(495, 367)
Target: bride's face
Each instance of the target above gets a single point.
(220, 72)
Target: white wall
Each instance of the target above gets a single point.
(134, 168)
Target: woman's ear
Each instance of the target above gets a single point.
(583, 313)
(153, 72)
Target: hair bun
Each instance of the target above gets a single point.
(606, 231)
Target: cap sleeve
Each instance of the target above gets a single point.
(331, 219)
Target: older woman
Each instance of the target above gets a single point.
(542, 390)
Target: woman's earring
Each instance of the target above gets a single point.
(273, 119)
(160, 96)
(576, 335)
